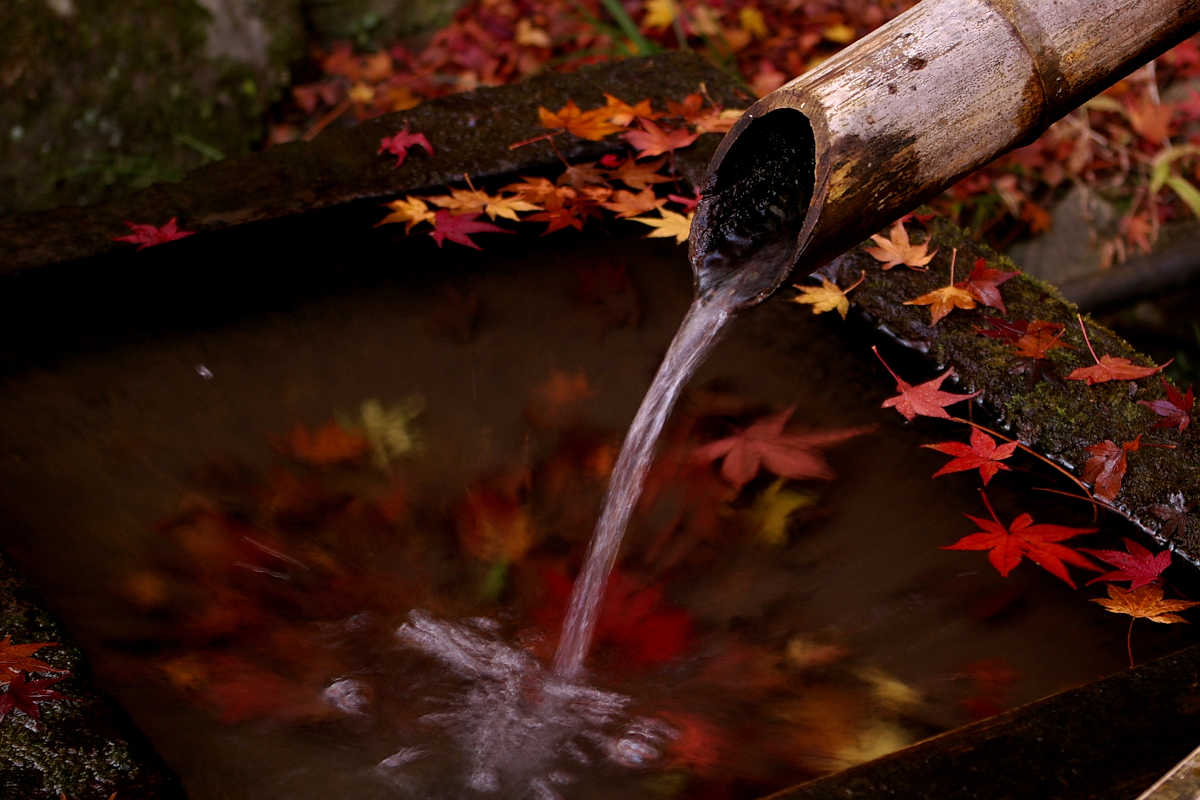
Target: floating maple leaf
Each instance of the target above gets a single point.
(652, 140)
(410, 211)
(1023, 538)
(927, 400)
(628, 204)
(670, 224)
(772, 510)
(1144, 602)
(1175, 410)
(458, 229)
(828, 296)
(150, 235)
(19, 657)
(1137, 564)
(640, 174)
(1109, 368)
(983, 284)
(399, 143)
(896, 249)
(23, 695)
(1105, 469)
(328, 444)
(765, 445)
(982, 453)
(944, 300)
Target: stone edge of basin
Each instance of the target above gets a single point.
(470, 134)
(1059, 419)
(84, 747)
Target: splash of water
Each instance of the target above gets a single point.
(519, 728)
(697, 334)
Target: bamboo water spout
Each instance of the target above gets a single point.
(837, 153)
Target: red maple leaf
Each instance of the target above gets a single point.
(1176, 410)
(1008, 330)
(634, 619)
(764, 444)
(654, 141)
(927, 400)
(1106, 468)
(1039, 338)
(982, 454)
(398, 144)
(1138, 566)
(149, 235)
(984, 284)
(1039, 542)
(458, 228)
(24, 695)
(19, 657)
(1109, 368)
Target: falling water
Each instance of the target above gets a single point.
(697, 334)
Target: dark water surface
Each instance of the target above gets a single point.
(283, 630)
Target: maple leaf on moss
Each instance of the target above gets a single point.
(398, 144)
(652, 140)
(150, 235)
(945, 299)
(926, 400)
(1173, 514)
(1135, 564)
(983, 284)
(1038, 542)
(896, 249)
(594, 124)
(16, 658)
(1175, 410)
(669, 224)
(1109, 368)
(23, 695)
(982, 453)
(409, 210)
(1105, 469)
(828, 296)
(764, 445)
(458, 229)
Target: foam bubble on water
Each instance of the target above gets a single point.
(520, 729)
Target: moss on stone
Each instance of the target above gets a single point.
(1059, 419)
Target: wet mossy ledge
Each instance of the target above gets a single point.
(1057, 418)
(471, 134)
(84, 748)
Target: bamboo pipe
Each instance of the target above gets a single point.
(835, 154)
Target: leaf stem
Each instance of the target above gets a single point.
(1086, 340)
(991, 510)
(1129, 641)
(875, 350)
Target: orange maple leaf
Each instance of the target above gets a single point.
(896, 249)
(944, 300)
(1109, 368)
(593, 124)
(328, 444)
(16, 658)
(1144, 602)
(652, 140)
(641, 175)
(629, 204)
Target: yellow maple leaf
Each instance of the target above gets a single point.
(462, 201)
(530, 36)
(1144, 602)
(828, 296)
(660, 14)
(839, 33)
(752, 22)
(670, 224)
(410, 211)
(772, 510)
(507, 207)
(896, 249)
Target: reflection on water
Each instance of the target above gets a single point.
(304, 582)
